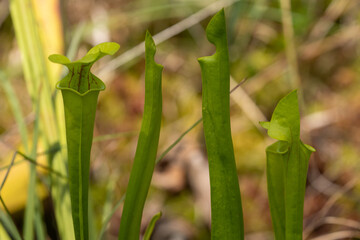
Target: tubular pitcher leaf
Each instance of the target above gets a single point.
(287, 164)
(145, 156)
(80, 90)
(226, 209)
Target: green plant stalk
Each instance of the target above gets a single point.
(145, 156)
(80, 90)
(79, 120)
(287, 164)
(226, 209)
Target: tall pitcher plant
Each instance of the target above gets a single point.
(80, 89)
(226, 208)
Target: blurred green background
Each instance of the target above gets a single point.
(313, 46)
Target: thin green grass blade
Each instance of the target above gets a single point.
(7, 166)
(5, 216)
(287, 164)
(109, 216)
(168, 149)
(108, 208)
(32, 197)
(8, 171)
(151, 226)
(146, 150)
(33, 161)
(108, 204)
(39, 224)
(80, 90)
(16, 109)
(9, 225)
(226, 209)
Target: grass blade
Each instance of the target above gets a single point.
(39, 224)
(109, 216)
(226, 209)
(32, 198)
(150, 228)
(5, 217)
(168, 149)
(33, 161)
(287, 164)
(8, 171)
(9, 225)
(16, 109)
(146, 150)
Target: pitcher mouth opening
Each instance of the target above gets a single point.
(102, 88)
(80, 79)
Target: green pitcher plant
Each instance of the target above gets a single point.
(287, 165)
(145, 156)
(80, 89)
(226, 208)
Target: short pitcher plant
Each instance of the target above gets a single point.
(80, 89)
(287, 165)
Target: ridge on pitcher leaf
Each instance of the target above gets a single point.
(80, 79)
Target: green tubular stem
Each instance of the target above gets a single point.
(145, 156)
(287, 165)
(226, 208)
(79, 120)
(276, 155)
